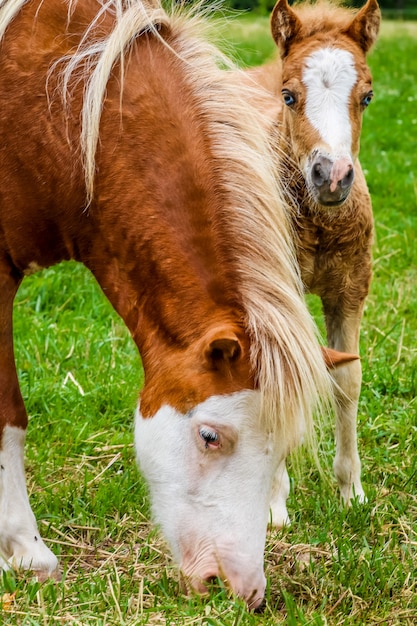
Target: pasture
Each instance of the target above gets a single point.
(80, 375)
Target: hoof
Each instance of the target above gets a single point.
(349, 495)
(44, 575)
(279, 517)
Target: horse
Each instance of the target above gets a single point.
(315, 94)
(127, 146)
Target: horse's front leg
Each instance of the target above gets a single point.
(343, 334)
(21, 545)
(280, 493)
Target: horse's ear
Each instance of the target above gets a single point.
(364, 27)
(222, 347)
(284, 25)
(334, 358)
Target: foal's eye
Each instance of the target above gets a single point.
(289, 98)
(210, 437)
(367, 99)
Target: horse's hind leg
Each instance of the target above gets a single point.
(20, 543)
(343, 335)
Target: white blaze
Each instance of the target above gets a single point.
(212, 503)
(329, 76)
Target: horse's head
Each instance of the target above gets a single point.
(326, 85)
(209, 464)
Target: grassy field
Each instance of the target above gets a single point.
(80, 375)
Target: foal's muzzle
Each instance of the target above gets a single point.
(331, 180)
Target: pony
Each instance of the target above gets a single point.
(125, 145)
(315, 94)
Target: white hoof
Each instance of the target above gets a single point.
(32, 556)
(351, 493)
(279, 517)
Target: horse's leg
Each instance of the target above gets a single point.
(20, 543)
(343, 334)
(280, 493)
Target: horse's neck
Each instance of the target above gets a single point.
(154, 273)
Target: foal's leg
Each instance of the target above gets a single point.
(343, 334)
(20, 543)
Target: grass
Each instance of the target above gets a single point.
(80, 375)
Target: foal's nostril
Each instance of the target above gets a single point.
(320, 171)
(347, 180)
(317, 175)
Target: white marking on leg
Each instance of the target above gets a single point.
(329, 76)
(280, 493)
(21, 545)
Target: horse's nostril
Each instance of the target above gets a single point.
(212, 579)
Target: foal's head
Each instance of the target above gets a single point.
(326, 86)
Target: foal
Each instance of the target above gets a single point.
(317, 92)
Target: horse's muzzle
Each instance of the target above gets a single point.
(331, 180)
(250, 588)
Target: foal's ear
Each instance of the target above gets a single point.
(334, 358)
(284, 25)
(364, 27)
(222, 347)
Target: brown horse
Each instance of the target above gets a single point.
(316, 93)
(125, 146)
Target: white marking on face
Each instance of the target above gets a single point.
(212, 501)
(21, 545)
(329, 76)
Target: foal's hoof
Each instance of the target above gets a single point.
(350, 495)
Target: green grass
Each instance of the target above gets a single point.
(80, 376)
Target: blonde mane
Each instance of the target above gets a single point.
(285, 353)
(8, 11)
(318, 16)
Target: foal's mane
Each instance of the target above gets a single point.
(322, 16)
(285, 354)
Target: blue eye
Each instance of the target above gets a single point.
(367, 99)
(289, 98)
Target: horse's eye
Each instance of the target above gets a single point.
(289, 97)
(367, 99)
(208, 436)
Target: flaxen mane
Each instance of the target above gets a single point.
(323, 16)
